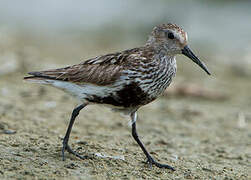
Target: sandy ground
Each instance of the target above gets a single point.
(201, 138)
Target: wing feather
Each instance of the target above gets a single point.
(101, 70)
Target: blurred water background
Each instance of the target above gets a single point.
(220, 31)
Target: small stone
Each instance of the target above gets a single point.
(8, 131)
(71, 166)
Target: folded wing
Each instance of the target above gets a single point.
(102, 70)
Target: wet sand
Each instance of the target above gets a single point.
(202, 139)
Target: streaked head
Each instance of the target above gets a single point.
(173, 40)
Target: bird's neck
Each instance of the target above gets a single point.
(162, 56)
(159, 49)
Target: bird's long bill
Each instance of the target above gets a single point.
(188, 52)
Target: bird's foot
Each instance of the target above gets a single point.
(151, 162)
(68, 148)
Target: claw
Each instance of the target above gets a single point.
(67, 147)
(151, 162)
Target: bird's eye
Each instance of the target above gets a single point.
(170, 35)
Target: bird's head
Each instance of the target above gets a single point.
(171, 39)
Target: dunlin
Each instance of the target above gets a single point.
(124, 80)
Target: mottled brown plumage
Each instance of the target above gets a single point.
(101, 70)
(125, 80)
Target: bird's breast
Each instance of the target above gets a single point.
(139, 85)
(128, 95)
(159, 78)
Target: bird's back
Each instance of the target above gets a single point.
(127, 79)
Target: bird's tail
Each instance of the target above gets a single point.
(55, 79)
(37, 77)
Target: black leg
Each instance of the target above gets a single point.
(150, 160)
(74, 114)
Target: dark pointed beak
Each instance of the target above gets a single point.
(188, 52)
